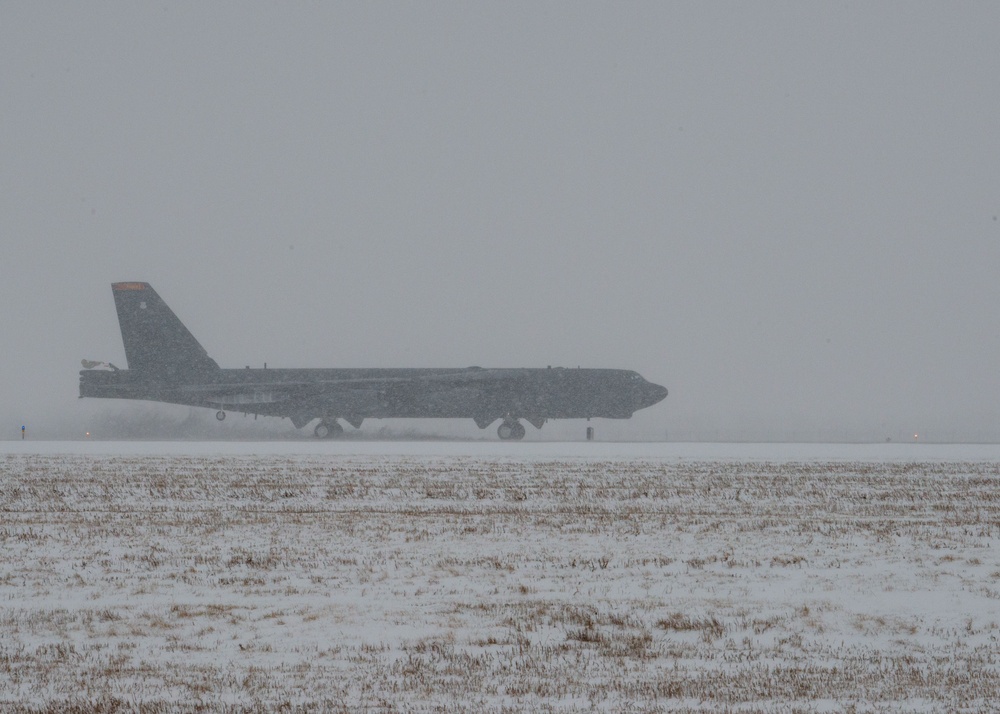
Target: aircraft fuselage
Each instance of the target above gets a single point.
(481, 394)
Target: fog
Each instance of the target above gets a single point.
(784, 212)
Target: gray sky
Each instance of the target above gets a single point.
(785, 212)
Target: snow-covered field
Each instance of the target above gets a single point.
(499, 577)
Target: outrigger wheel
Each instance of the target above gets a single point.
(328, 429)
(511, 430)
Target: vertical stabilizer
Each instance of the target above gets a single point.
(156, 341)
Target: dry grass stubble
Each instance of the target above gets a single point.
(454, 583)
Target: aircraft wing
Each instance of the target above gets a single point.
(308, 393)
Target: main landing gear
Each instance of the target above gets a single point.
(328, 429)
(220, 415)
(510, 430)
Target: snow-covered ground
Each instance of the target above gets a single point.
(487, 576)
(889, 452)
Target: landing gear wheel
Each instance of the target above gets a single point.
(220, 415)
(328, 430)
(511, 431)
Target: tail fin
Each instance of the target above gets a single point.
(155, 340)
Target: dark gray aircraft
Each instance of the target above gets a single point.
(166, 364)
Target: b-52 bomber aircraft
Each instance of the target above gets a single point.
(167, 364)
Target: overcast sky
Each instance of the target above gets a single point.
(784, 212)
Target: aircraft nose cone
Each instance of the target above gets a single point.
(655, 393)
